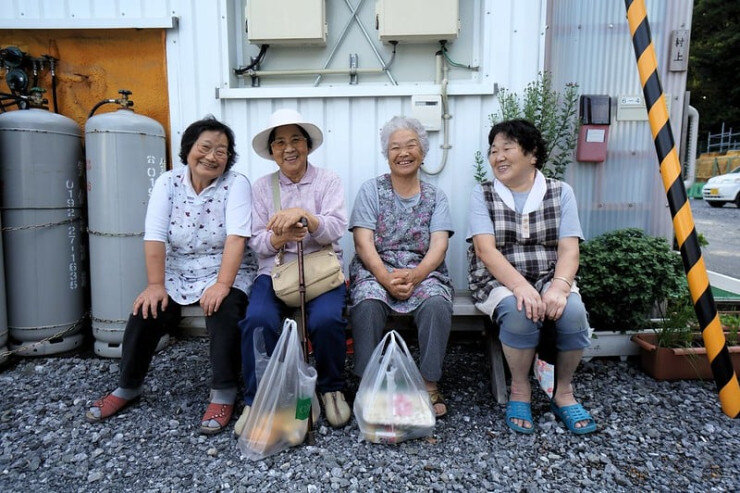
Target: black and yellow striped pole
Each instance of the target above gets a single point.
(683, 221)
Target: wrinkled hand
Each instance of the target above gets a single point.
(555, 300)
(285, 220)
(294, 233)
(401, 283)
(212, 298)
(149, 299)
(529, 299)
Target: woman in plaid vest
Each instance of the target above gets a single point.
(525, 232)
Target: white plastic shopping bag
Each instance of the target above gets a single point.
(392, 404)
(279, 415)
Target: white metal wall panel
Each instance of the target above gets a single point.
(46, 10)
(200, 56)
(591, 44)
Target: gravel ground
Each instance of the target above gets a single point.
(652, 436)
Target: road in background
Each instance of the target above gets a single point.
(721, 227)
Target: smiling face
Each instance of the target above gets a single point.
(511, 165)
(290, 151)
(208, 157)
(404, 153)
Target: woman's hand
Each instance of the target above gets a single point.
(530, 300)
(291, 234)
(286, 219)
(149, 299)
(555, 299)
(401, 283)
(212, 298)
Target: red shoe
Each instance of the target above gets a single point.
(221, 413)
(109, 405)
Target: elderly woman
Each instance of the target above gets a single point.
(316, 194)
(197, 223)
(401, 227)
(523, 261)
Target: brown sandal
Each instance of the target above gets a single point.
(109, 405)
(220, 413)
(437, 398)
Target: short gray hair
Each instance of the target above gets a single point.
(403, 123)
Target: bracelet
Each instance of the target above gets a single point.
(570, 285)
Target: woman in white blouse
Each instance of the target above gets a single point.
(197, 224)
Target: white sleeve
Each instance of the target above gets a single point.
(158, 211)
(239, 207)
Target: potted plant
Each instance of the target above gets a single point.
(623, 275)
(675, 350)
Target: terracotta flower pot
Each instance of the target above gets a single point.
(678, 363)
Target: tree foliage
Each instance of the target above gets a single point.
(714, 57)
(555, 114)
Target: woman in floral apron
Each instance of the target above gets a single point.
(197, 223)
(401, 228)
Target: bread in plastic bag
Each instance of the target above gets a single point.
(278, 418)
(392, 403)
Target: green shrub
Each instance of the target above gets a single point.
(623, 274)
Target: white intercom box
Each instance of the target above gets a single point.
(427, 108)
(417, 21)
(286, 22)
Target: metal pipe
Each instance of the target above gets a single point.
(693, 139)
(343, 34)
(375, 50)
(338, 71)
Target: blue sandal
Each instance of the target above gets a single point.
(519, 410)
(570, 415)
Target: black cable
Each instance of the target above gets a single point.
(98, 105)
(257, 61)
(54, 92)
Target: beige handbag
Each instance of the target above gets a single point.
(322, 271)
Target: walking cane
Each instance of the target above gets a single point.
(310, 433)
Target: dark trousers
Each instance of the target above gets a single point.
(326, 327)
(142, 336)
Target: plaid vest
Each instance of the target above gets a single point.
(533, 255)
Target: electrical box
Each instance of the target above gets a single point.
(428, 110)
(417, 21)
(286, 22)
(593, 136)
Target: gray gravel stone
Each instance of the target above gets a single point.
(653, 436)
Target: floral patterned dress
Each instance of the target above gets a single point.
(196, 238)
(402, 239)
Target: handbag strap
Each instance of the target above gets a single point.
(276, 191)
(277, 206)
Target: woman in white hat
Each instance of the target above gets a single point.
(317, 195)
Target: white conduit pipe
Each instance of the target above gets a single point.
(345, 71)
(445, 125)
(691, 147)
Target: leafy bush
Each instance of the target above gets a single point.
(553, 113)
(623, 274)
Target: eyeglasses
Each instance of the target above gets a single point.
(205, 149)
(409, 147)
(280, 144)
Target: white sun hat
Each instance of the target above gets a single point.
(285, 117)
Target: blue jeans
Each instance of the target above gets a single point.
(326, 327)
(519, 332)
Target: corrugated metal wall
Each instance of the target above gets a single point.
(203, 48)
(351, 124)
(590, 44)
